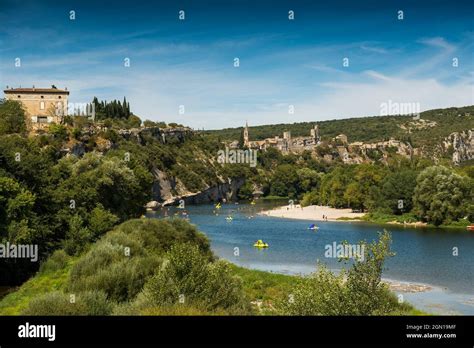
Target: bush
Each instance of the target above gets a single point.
(101, 221)
(322, 293)
(121, 273)
(188, 277)
(76, 237)
(58, 260)
(358, 291)
(58, 131)
(58, 303)
(108, 268)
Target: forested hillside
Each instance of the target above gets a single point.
(371, 129)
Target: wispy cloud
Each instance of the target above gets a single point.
(281, 64)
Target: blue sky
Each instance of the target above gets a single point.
(282, 62)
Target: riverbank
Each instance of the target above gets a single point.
(316, 212)
(313, 213)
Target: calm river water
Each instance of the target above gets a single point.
(423, 256)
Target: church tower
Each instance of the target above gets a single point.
(246, 134)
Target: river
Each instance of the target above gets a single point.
(423, 256)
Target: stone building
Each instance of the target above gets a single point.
(43, 106)
(287, 143)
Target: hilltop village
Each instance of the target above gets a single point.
(461, 144)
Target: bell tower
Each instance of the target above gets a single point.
(246, 134)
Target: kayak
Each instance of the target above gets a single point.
(264, 245)
(313, 227)
(260, 244)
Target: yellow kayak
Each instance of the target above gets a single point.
(260, 244)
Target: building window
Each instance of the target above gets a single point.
(42, 105)
(59, 97)
(19, 96)
(42, 119)
(42, 97)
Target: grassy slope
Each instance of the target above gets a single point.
(43, 282)
(258, 285)
(264, 285)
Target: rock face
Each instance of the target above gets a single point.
(462, 144)
(162, 134)
(226, 190)
(167, 190)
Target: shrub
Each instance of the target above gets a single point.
(76, 237)
(188, 276)
(121, 273)
(58, 260)
(58, 303)
(322, 293)
(121, 281)
(358, 291)
(101, 221)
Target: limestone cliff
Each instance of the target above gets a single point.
(169, 190)
(462, 146)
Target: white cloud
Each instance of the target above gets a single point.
(220, 97)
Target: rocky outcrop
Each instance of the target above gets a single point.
(169, 190)
(461, 144)
(227, 190)
(164, 135)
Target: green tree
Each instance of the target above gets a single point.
(246, 191)
(284, 181)
(310, 198)
(442, 196)
(16, 211)
(309, 179)
(399, 185)
(77, 236)
(363, 191)
(334, 185)
(12, 117)
(101, 221)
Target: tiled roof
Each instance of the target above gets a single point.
(35, 90)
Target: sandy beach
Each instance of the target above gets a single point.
(313, 213)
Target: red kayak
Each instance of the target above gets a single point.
(470, 228)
